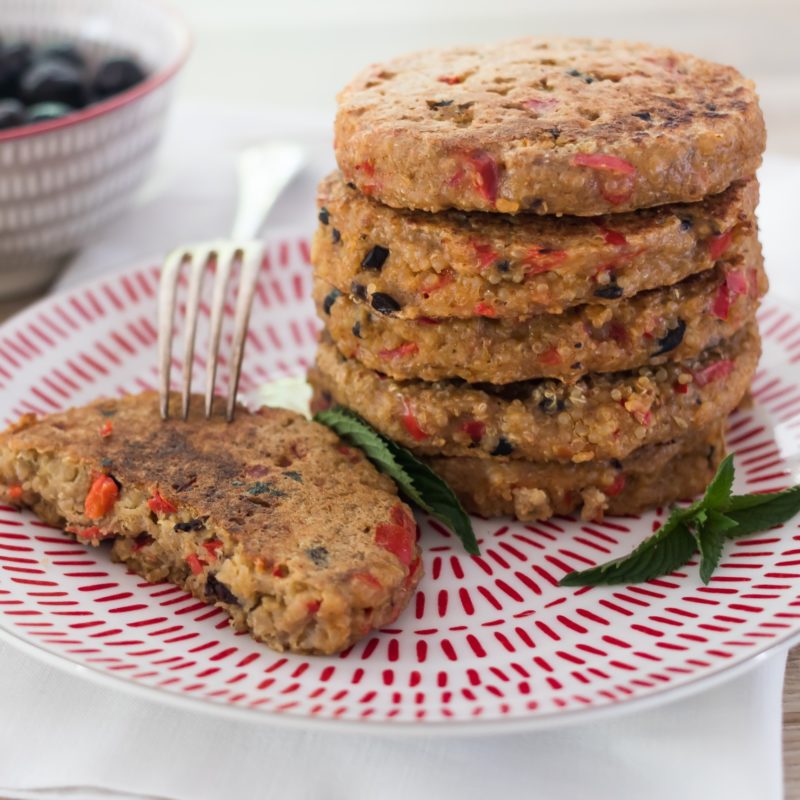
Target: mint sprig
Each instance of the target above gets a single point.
(704, 526)
(418, 482)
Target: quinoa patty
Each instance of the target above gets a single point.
(598, 417)
(528, 490)
(553, 126)
(669, 324)
(412, 264)
(270, 517)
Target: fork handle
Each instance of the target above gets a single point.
(263, 173)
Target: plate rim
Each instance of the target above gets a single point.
(550, 720)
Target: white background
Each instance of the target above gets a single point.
(298, 53)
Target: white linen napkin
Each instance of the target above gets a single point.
(60, 731)
(62, 736)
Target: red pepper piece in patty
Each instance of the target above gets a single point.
(474, 428)
(485, 252)
(101, 497)
(450, 80)
(398, 536)
(15, 491)
(540, 103)
(106, 429)
(550, 357)
(721, 305)
(617, 485)
(410, 422)
(484, 310)
(737, 282)
(159, 505)
(613, 237)
(195, 564)
(405, 349)
(603, 162)
(542, 259)
(211, 547)
(486, 175)
(714, 372)
(621, 175)
(717, 245)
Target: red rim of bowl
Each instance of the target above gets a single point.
(117, 101)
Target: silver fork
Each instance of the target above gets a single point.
(263, 171)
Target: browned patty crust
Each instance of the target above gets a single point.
(413, 264)
(528, 490)
(271, 517)
(670, 324)
(598, 417)
(552, 126)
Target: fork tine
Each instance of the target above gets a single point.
(199, 260)
(166, 311)
(225, 257)
(252, 256)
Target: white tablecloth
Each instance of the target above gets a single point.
(62, 736)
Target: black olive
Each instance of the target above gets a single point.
(554, 132)
(550, 404)
(503, 266)
(575, 73)
(62, 51)
(15, 59)
(686, 225)
(645, 115)
(40, 112)
(578, 345)
(319, 555)
(384, 303)
(358, 290)
(351, 185)
(611, 291)
(324, 216)
(329, 300)
(375, 258)
(53, 82)
(115, 76)
(357, 330)
(197, 524)
(217, 590)
(143, 540)
(336, 237)
(503, 447)
(671, 339)
(12, 113)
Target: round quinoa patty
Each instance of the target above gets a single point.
(598, 417)
(652, 328)
(412, 264)
(652, 476)
(552, 126)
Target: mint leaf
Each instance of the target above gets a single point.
(670, 547)
(418, 482)
(705, 525)
(758, 512)
(718, 492)
(710, 536)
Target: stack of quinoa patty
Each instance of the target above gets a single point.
(539, 269)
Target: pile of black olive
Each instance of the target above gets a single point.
(50, 81)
